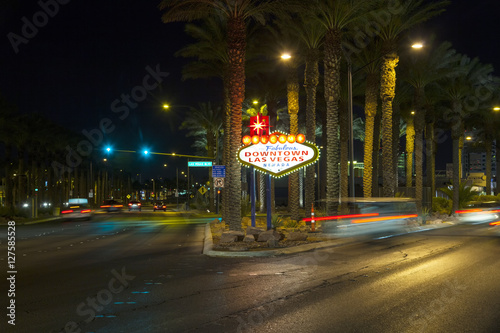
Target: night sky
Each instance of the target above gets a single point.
(91, 52)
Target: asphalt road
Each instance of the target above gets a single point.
(144, 272)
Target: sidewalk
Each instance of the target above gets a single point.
(333, 242)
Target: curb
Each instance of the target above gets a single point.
(208, 247)
(208, 244)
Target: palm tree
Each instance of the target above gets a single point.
(335, 16)
(205, 123)
(309, 35)
(410, 13)
(236, 13)
(460, 90)
(422, 71)
(210, 49)
(368, 62)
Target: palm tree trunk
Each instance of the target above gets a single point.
(236, 54)
(387, 93)
(419, 175)
(344, 152)
(293, 109)
(211, 146)
(456, 176)
(497, 160)
(456, 135)
(376, 154)
(488, 166)
(311, 80)
(332, 60)
(410, 145)
(396, 118)
(430, 155)
(370, 112)
(226, 146)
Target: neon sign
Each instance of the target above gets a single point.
(277, 154)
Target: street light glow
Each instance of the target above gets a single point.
(417, 45)
(496, 108)
(286, 56)
(166, 106)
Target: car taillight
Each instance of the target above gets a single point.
(67, 211)
(139, 204)
(130, 204)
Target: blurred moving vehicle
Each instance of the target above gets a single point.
(371, 216)
(479, 212)
(495, 228)
(112, 205)
(134, 205)
(76, 209)
(159, 206)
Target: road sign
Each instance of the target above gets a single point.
(128, 196)
(202, 190)
(219, 182)
(219, 171)
(199, 163)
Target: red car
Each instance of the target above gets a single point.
(159, 206)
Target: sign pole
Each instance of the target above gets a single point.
(252, 193)
(189, 189)
(268, 197)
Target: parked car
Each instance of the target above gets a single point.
(159, 206)
(112, 205)
(134, 205)
(76, 209)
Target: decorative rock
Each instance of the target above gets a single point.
(227, 237)
(267, 235)
(297, 236)
(254, 232)
(249, 238)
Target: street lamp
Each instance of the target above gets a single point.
(286, 56)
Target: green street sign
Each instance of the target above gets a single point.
(199, 164)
